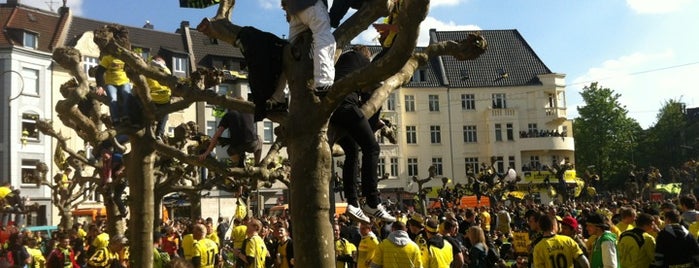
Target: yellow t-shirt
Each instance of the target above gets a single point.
(188, 246)
(4, 191)
(630, 255)
(115, 74)
(238, 235)
(366, 251)
(103, 258)
(206, 250)
(623, 227)
(214, 237)
(256, 248)
(485, 221)
(38, 260)
(159, 93)
(101, 241)
(343, 247)
(558, 251)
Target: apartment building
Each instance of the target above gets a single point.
(28, 38)
(455, 115)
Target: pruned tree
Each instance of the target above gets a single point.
(153, 167)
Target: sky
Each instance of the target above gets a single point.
(645, 50)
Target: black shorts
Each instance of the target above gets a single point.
(249, 147)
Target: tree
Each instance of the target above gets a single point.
(303, 130)
(604, 134)
(665, 144)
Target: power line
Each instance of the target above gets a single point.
(636, 73)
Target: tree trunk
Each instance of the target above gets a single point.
(157, 210)
(140, 174)
(309, 154)
(116, 225)
(66, 217)
(195, 205)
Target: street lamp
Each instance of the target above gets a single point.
(9, 111)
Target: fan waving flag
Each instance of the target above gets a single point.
(198, 3)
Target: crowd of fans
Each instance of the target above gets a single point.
(617, 232)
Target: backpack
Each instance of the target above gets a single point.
(636, 234)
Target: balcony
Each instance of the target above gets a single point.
(506, 112)
(556, 115)
(547, 144)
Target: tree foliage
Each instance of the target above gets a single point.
(605, 136)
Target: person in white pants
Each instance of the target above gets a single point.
(313, 14)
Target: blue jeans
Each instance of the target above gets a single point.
(119, 100)
(162, 123)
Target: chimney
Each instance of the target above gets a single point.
(148, 25)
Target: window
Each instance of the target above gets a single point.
(179, 64)
(533, 130)
(410, 134)
(89, 62)
(268, 127)
(409, 103)
(470, 135)
(394, 166)
(499, 101)
(420, 75)
(436, 134)
(510, 132)
(143, 52)
(555, 160)
(29, 127)
(499, 164)
(471, 165)
(438, 167)
(468, 102)
(211, 127)
(511, 161)
(498, 132)
(534, 162)
(552, 101)
(381, 167)
(223, 90)
(31, 40)
(433, 101)
(31, 81)
(391, 102)
(412, 167)
(29, 173)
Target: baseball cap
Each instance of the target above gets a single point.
(570, 222)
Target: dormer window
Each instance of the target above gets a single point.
(179, 64)
(30, 40)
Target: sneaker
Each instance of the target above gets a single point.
(379, 212)
(337, 151)
(357, 214)
(388, 133)
(321, 91)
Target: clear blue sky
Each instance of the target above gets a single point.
(645, 50)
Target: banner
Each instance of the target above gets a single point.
(520, 241)
(198, 3)
(670, 188)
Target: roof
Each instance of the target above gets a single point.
(508, 53)
(16, 19)
(431, 73)
(139, 37)
(204, 46)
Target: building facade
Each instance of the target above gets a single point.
(456, 115)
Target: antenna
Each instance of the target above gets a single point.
(50, 4)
